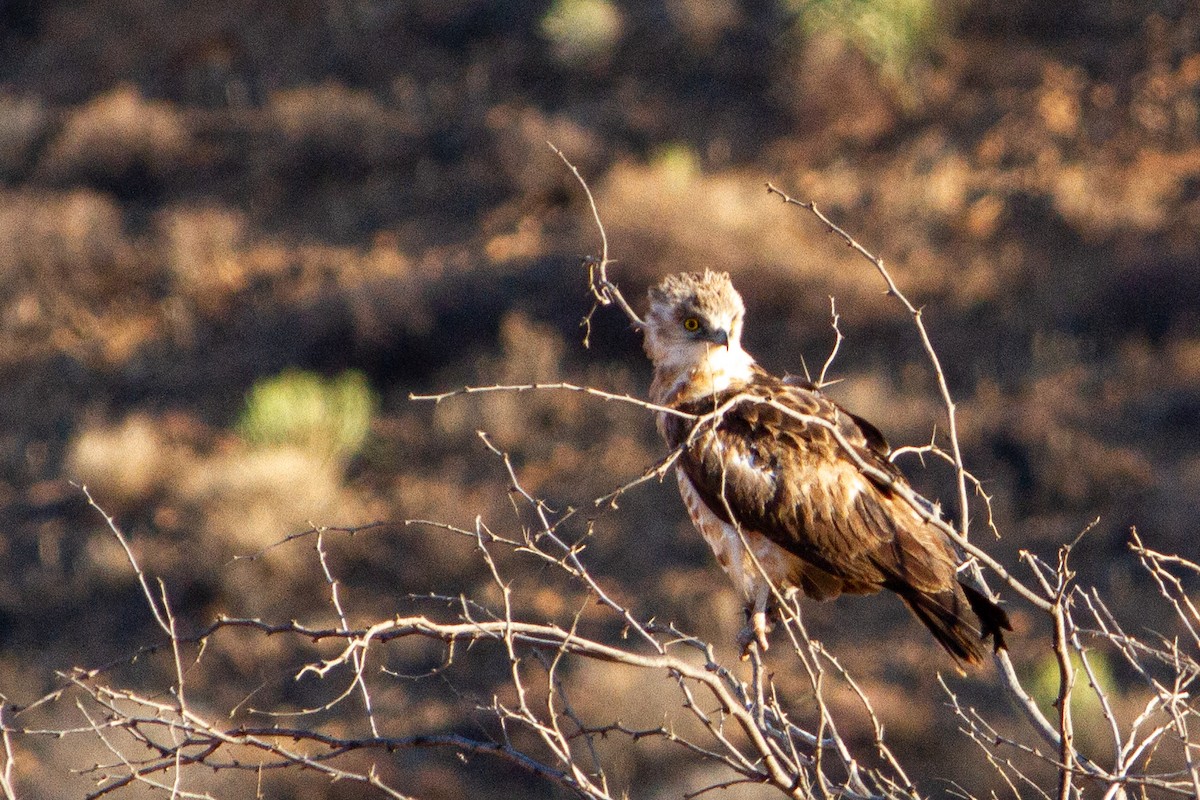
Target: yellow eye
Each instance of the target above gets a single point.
(691, 324)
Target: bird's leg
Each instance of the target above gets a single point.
(762, 626)
(758, 625)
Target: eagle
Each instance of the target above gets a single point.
(790, 490)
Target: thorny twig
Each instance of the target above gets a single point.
(837, 343)
(6, 772)
(603, 290)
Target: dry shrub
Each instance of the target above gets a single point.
(117, 138)
(832, 92)
(128, 462)
(906, 409)
(339, 161)
(73, 242)
(250, 499)
(669, 215)
(23, 120)
(313, 267)
(330, 126)
(703, 22)
(1183, 360)
(555, 434)
(1052, 432)
(202, 247)
(71, 279)
(213, 259)
(235, 498)
(1099, 198)
(520, 134)
(531, 353)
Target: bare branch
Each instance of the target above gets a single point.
(837, 343)
(603, 290)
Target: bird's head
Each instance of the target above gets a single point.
(695, 323)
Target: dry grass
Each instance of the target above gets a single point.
(119, 136)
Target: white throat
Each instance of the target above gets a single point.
(687, 379)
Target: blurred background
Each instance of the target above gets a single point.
(234, 236)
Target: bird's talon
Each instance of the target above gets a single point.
(755, 633)
(762, 626)
(745, 639)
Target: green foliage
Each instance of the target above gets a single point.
(301, 409)
(579, 30)
(677, 164)
(892, 33)
(1085, 703)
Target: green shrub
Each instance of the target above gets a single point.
(301, 409)
(1085, 703)
(580, 30)
(891, 33)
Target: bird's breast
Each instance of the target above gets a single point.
(752, 561)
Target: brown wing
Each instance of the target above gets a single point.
(773, 472)
(792, 481)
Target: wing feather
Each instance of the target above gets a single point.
(791, 480)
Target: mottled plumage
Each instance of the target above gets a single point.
(757, 478)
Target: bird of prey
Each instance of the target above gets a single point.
(788, 488)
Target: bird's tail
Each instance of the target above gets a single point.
(948, 615)
(993, 621)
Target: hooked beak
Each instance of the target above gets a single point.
(720, 336)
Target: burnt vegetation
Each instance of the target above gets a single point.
(233, 245)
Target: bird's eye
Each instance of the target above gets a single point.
(691, 324)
